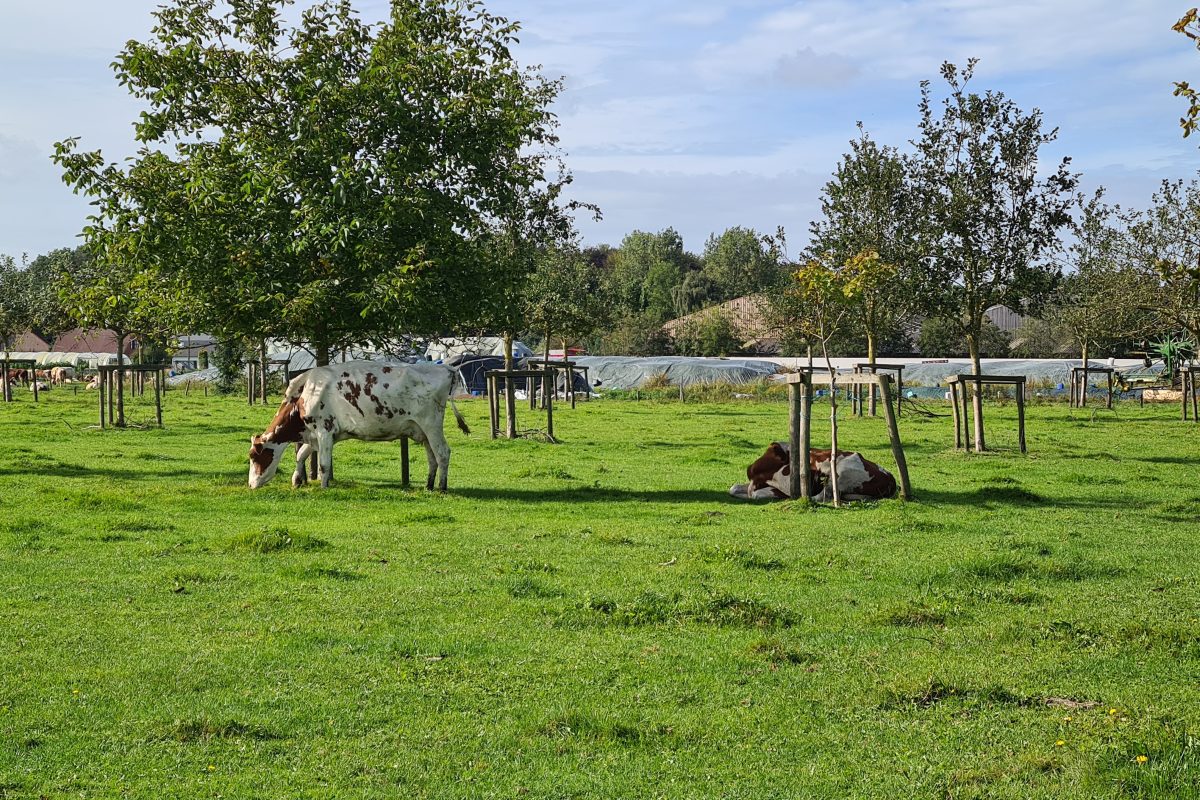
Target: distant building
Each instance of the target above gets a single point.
(93, 340)
(190, 347)
(1004, 318)
(746, 315)
(28, 342)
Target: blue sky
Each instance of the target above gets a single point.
(694, 114)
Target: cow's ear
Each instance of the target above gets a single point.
(777, 448)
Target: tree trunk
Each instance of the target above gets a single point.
(120, 423)
(1083, 384)
(977, 389)
(833, 433)
(262, 370)
(546, 365)
(871, 361)
(321, 357)
(510, 400)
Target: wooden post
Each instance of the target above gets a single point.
(1020, 387)
(159, 380)
(681, 399)
(1183, 382)
(100, 387)
(549, 407)
(249, 383)
(894, 435)
(109, 376)
(404, 465)
(954, 414)
(1110, 389)
(35, 383)
(799, 407)
(1195, 401)
(4, 390)
(493, 405)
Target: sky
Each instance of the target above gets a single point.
(694, 114)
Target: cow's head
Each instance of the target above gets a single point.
(264, 460)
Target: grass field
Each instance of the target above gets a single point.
(597, 619)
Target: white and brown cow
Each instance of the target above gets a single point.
(366, 400)
(858, 479)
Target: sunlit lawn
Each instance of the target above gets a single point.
(597, 618)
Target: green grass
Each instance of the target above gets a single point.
(597, 619)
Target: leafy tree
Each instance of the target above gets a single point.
(713, 334)
(738, 263)
(327, 181)
(116, 292)
(943, 338)
(826, 292)
(694, 293)
(14, 302)
(865, 215)
(990, 223)
(637, 335)
(1164, 245)
(1189, 26)
(646, 270)
(1102, 301)
(567, 296)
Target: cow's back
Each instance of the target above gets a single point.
(374, 400)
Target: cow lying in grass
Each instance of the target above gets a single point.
(364, 400)
(858, 479)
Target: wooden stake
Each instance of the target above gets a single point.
(1020, 387)
(894, 435)
(404, 465)
(954, 414)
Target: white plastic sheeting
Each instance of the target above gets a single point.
(631, 372)
(91, 360)
(446, 349)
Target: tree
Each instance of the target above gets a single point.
(566, 296)
(826, 291)
(990, 224)
(865, 215)
(646, 270)
(1164, 245)
(1189, 26)
(116, 292)
(14, 302)
(942, 337)
(738, 263)
(713, 334)
(326, 182)
(1102, 301)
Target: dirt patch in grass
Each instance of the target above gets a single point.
(203, 730)
(274, 539)
(316, 572)
(577, 725)
(913, 614)
(934, 690)
(719, 609)
(781, 654)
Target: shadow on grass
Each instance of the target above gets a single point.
(59, 469)
(995, 496)
(603, 494)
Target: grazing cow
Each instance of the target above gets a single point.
(18, 376)
(858, 479)
(365, 400)
(61, 375)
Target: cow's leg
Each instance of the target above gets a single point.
(430, 457)
(438, 451)
(300, 476)
(325, 460)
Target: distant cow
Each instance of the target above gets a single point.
(858, 479)
(365, 400)
(61, 375)
(18, 376)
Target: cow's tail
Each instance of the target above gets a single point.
(456, 374)
(462, 423)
